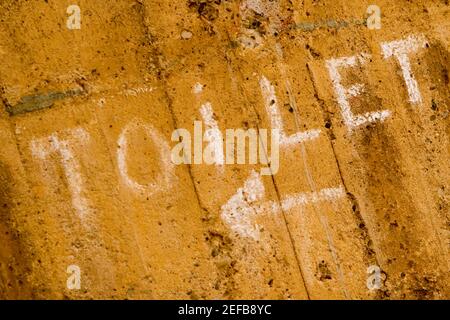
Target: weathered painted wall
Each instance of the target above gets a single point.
(87, 179)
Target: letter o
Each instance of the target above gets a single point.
(164, 179)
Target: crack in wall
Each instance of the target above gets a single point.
(224, 274)
(370, 252)
(278, 193)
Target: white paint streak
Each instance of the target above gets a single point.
(344, 94)
(43, 147)
(303, 199)
(137, 91)
(213, 135)
(240, 211)
(164, 179)
(400, 49)
(197, 88)
(271, 103)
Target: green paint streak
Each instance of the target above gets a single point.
(307, 26)
(40, 101)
